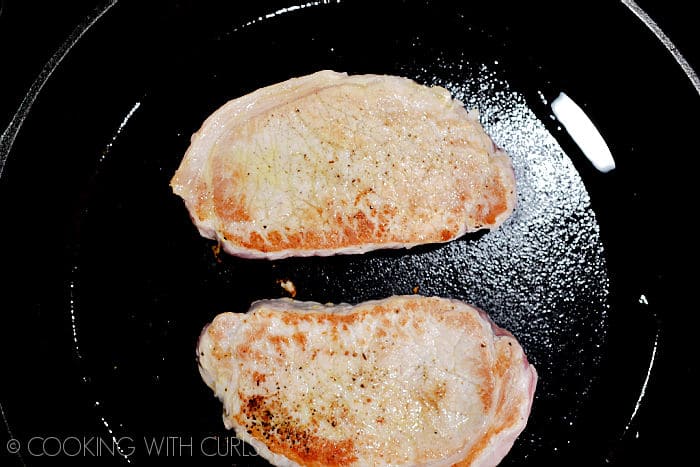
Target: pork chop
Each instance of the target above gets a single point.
(407, 380)
(330, 163)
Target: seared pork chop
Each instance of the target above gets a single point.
(330, 163)
(407, 380)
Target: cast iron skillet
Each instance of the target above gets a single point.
(110, 284)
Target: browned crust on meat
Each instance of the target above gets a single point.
(506, 407)
(350, 230)
(474, 177)
(265, 417)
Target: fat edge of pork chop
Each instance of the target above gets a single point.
(408, 380)
(334, 164)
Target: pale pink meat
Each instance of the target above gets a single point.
(330, 163)
(408, 380)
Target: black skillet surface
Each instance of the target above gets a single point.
(111, 285)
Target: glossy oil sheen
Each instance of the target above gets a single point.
(542, 275)
(128, 283)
